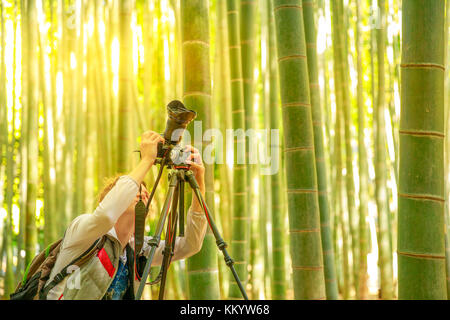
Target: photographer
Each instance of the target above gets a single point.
(112, 273)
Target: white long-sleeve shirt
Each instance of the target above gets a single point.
(87, 228)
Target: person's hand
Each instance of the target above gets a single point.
(149, 146)
(194, 160)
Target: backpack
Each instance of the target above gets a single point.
(32, 286)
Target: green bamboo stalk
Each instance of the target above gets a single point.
(240, 223)
(222, 102)
(23, 141)
(265, 187)
(346, 105)
(103, 97)
(111, 32)
(159, 89)
(125, 86)
(447, 146)
(60, 120)
(50, 231)
(69, 103)
(32, 132)
(304, 214)
(278, 214)
(247, 41)
(328, 253)
(202, 268)
(90, 137)
(340, 220)
(147, 75)
(385, 255)
(362, 166)
(421, 243)
(7, 152)
(80, 163)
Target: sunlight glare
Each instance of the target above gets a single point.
(73, 61)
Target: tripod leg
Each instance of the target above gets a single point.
(169, 243)
(181, 207)
(154, 243)
(221, 244)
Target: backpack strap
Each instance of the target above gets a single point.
(79, 261)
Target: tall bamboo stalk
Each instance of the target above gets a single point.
(447, 147)
(346, 106)
(340, 218)
(362, 166)
(222, 94)
(202, 268)
(304, 214)
(247, 23)
(384, 249)
(325, 230)
(240, 224)
(421, 245)
(80, 163)
(50, 228)
(278, 215)
(23, 140)
(69, 102)
(8, 152)
(32, 132)
(103, 99)
(126, 106)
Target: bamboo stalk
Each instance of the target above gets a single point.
(421, 243)
(240, 223)
(304, 214)
(202, 268)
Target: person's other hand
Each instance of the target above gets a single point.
(196, 165)
(149, 146)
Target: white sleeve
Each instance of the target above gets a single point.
(87, 228)
(185, 246)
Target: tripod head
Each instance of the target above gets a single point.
(171, 155)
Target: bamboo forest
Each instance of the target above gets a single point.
(321, 125)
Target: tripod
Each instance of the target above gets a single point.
(175, 200)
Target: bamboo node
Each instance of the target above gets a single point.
(294, 56)
(301, 191)
(298, 149)
(421, 197)
(422, 65)
(422, 133)
(202, 270)
(311, 268)
(420, 255)
(304, 231)
(287, 6)
(295, 104)
(196, 42)
(196, 93)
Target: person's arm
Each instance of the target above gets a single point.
(87, 228)
(196, 224)
(185, 246)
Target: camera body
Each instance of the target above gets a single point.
(172, 153)
(178, 118)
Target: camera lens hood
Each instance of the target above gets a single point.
(179, 113)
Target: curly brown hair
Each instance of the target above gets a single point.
(108, 184)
